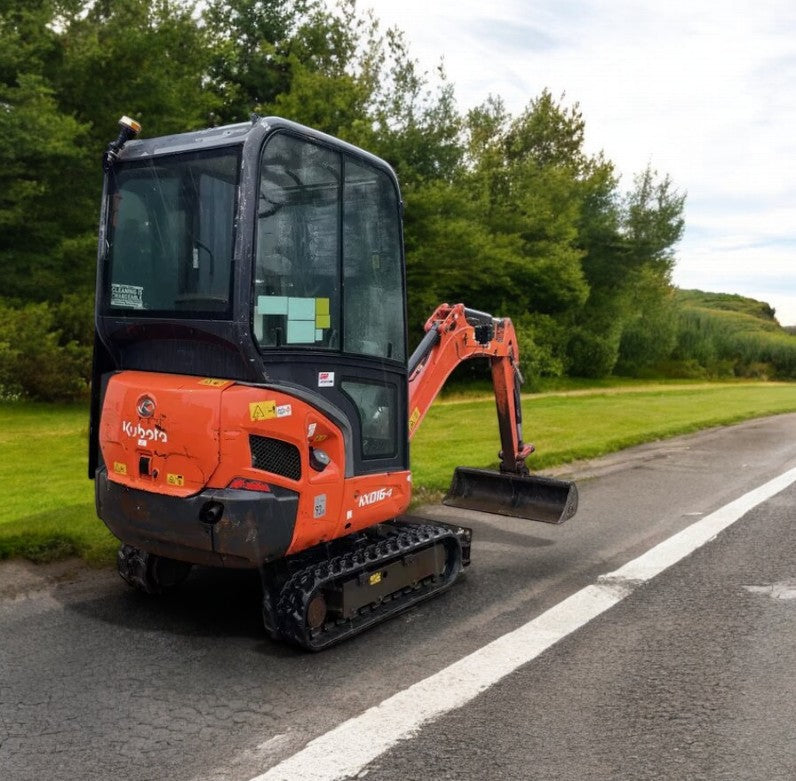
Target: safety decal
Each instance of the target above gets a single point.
(127, 296)
(413, 418)
(262, 410)
(320, 438)
(319, 506)
(119, 468)
(211, 382)
(326, 379)
(284, 411)
(175, 479)
(311, 429)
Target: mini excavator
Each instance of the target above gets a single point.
(253, 399)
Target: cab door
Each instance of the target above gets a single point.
(329, 303)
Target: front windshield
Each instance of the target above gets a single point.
(171, 234)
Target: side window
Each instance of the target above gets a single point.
(297, 279)
(376, 404)
(373, 306)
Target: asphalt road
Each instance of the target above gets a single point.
(690, 677)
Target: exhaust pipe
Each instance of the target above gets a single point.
(518, 496)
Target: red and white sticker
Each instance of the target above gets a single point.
(325, 379)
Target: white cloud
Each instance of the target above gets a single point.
(703, 90)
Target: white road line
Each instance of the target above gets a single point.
(346, 750)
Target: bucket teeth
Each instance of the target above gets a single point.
(518, 496)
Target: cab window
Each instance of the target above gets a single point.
(328, 265)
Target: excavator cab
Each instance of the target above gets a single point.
(252, 397)
(260, 252)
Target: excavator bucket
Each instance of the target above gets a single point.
(519, 496)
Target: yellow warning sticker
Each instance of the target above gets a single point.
(119, 468)
(413, 418)
(172, 479)
(212, 382)
(320, 437)
(375, 578)
(321, 306)
(262, 410)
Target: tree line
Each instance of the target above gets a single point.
(508, 213)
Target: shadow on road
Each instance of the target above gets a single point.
(210, 603)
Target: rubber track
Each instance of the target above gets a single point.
(403, 539)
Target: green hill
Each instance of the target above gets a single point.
(729, 334)
(729, 302)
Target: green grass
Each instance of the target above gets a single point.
(573, 425)
(49, 501)
(48, 498)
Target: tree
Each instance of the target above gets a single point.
(45, 218)
(653, 221)
(524, 173)
(149, 60)
(503, 212)
(250, 44)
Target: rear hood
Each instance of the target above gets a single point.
(160, 432)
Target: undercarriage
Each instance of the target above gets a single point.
(336, 590)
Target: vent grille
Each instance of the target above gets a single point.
(275, 456)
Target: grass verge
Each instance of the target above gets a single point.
(49, 503)
(577, 424)
(48, 499)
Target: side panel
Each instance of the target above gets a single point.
(330, 505)
(179, 453)
(379, 430)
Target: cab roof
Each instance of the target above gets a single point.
(239, 133)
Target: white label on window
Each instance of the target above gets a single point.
(325, 379)
(127, 296)
(319, 506)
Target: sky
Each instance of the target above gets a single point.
(703, 91)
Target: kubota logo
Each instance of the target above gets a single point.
(375, 496)
(145, 407)
(137, 431)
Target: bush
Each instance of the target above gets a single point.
(592, 354)
(541, 343)
(39, 358)
(735, 343)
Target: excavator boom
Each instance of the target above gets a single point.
(455, 334)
